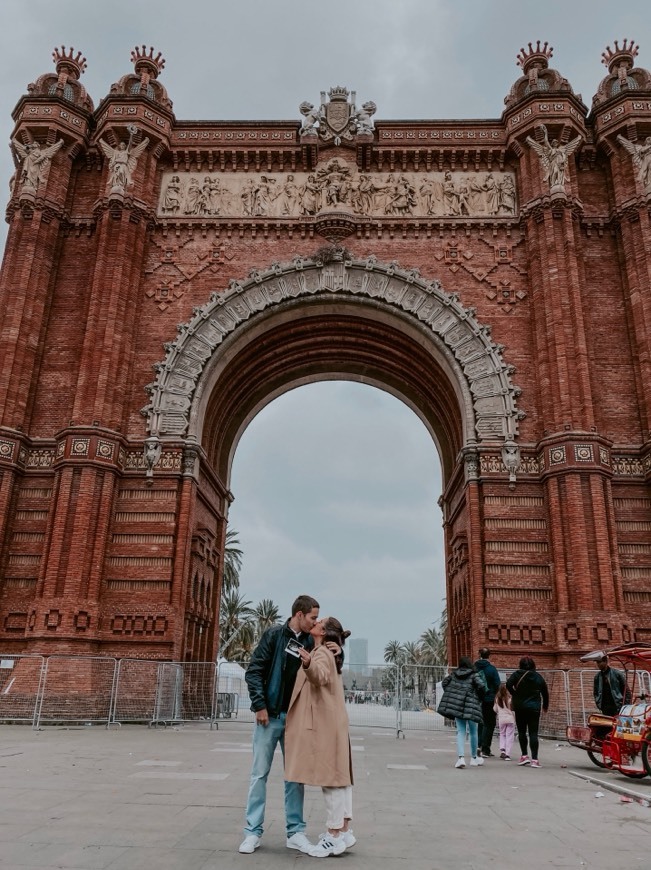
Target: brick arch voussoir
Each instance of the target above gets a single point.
(487, 377)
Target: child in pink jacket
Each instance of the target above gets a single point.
(505, 721)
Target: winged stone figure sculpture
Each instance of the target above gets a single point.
(553, 157)
(122, 161)
(34, 163)
(641, 155)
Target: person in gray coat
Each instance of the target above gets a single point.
(463, 691)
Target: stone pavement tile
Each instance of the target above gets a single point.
(101, 836)
(10, 831)
(72, 856)
(139, 858)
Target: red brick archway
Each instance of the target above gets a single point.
(112, 520)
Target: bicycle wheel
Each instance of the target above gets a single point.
(646, 756)
(597, 759)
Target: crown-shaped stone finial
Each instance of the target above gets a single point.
(535, 57)
(621, 56)
(146, 63)
(338, 93)
(69, 63)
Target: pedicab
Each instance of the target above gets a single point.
(621, 742)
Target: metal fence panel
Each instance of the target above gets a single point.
(20, 686)
(420, 693)
(581, 691)
(76, 689)
(198, 697)
(372, 694)
(136, 691)
(231, 692)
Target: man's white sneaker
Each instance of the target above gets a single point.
(476, 762)
(249, 844)
(299, 841)
(349, 838)
(328, 845)
(461, 762)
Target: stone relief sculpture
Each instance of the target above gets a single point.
(511, 458)
(362, 117)
(553, 157)
(337, 186)
(35, 161)
(311, 118)
(641, 155)
(123, 160)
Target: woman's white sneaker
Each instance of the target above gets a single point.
(328, 845)
(349, 838)
(461, 762)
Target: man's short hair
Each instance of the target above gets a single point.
(602, 659)
(484, 653)
(304, 604)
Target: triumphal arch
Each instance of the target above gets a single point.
(165, 279)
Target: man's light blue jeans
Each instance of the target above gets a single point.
(265, 741)
(461, 736)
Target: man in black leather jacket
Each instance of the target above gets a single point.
(609, 688)
(270, 677)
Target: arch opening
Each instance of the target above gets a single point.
(335, 488)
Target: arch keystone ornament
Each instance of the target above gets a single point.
(490, 398)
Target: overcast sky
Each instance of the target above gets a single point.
(336, 484)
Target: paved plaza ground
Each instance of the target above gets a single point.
(173, 799)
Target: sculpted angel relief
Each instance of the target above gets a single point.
(337, 186)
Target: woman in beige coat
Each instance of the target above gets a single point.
(317, 746)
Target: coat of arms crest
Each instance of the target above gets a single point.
(337, 117)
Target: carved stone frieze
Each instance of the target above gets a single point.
(337, 186)
(487, 377)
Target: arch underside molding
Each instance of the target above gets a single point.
(483, 378)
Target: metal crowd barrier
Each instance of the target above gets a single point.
(95, 690)
(99, 690)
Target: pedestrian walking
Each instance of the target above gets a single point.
(463, 691)
(492, 679)
(505, 721)
(528, 694)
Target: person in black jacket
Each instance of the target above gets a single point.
(528, 693)
(493, 682)
(270, 677)
(610, 688)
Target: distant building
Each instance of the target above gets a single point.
(358, 655)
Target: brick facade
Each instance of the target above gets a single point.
(231, 261)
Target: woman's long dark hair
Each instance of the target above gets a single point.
(334, 631)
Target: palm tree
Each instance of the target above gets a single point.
(432, 647)
(265, 614)
(394, 652)
(235, 620)
(232, 562)
(411, 651)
